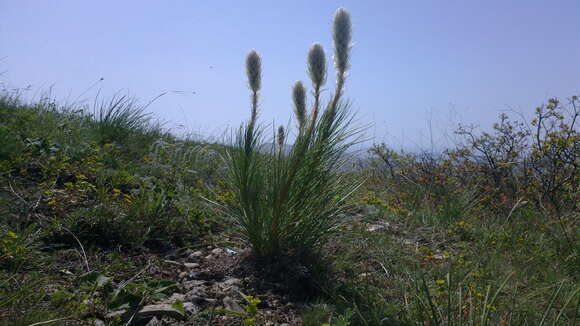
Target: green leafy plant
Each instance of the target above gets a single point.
(288, 200)
(251, 309)
(11, 248)
(136, 293)
(17, 249)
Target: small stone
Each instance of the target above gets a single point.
(208, 257)
(176, 297)
(375, 227)
(196, 254)
(160, 310)
(191, 265)
(232, 281)
(190, 307)
(99, 322)
(183, 275)
(198, 296)
(212, 301)
(216, 251)
(232, 305)
(230, 251)
(195, 287)
(154, 322)
(225, 286)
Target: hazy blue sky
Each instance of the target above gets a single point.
(413, 61)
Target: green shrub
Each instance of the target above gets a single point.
(288, 200)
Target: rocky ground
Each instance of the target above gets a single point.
(213, 286)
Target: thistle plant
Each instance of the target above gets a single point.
(290, 202)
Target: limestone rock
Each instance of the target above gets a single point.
(160, 310)
(191, 265)
(190, 308)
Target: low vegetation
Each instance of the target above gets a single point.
(104, 214)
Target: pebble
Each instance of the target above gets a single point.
(232, 281)
(195, 254)
(99, 322)
(191, 265)
(190, 307)
(176, 297)
(159, 310)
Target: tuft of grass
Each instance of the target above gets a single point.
(289, 202)
(115, 119)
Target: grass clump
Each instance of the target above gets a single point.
(115, 119)
(288, 200)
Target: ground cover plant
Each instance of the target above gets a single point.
(107, 219)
